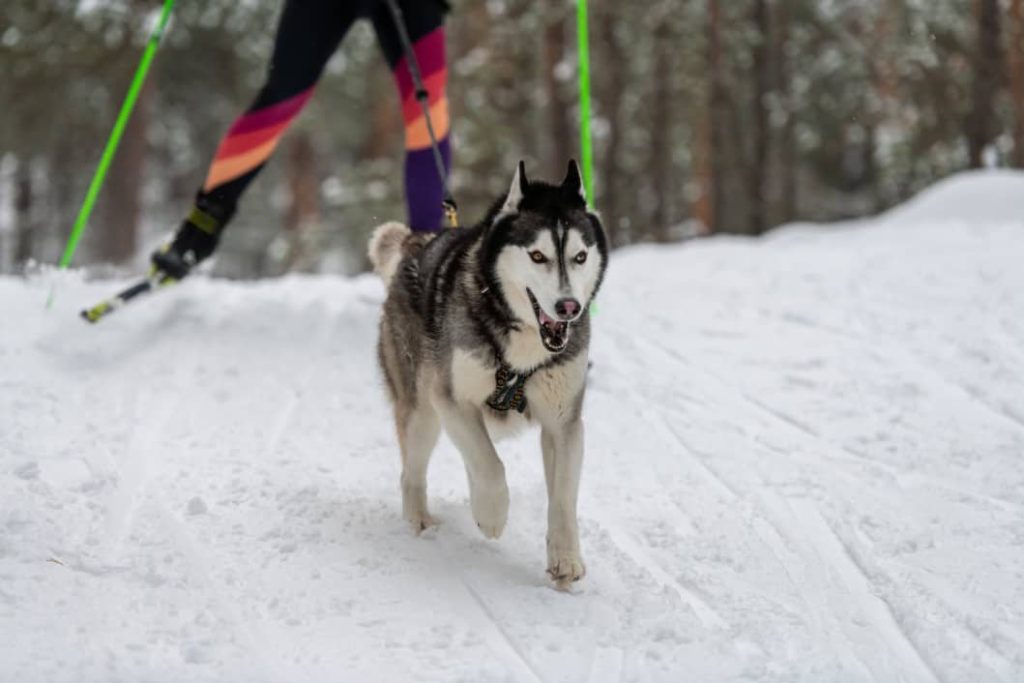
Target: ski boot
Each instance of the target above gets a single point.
(195, 240)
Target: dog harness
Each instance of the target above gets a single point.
(508, 389)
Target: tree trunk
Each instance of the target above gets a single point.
(123, 202)
(981, 124)
(759, 104)
(1016, 68)
(23, 201)
(788, 157)
(660, 161)
(303, 209)
(886, 84)
(472, 31)
(385, 120)
(560, 133)
(613, 82)
(709, 137)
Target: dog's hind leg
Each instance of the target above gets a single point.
(488, 490)
(562, 447)
(418, 429)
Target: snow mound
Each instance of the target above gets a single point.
(985, 196)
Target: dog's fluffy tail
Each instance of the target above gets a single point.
(386, 248)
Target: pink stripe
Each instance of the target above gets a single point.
(268, 116)
(240, 143)
(429, 55)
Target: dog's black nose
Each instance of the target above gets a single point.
(567, 309)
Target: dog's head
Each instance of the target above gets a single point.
(546, 254)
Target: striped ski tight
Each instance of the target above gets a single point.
(307, 35)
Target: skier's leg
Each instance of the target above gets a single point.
(424, 20)
(307, 35)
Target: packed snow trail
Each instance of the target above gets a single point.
(804, 463)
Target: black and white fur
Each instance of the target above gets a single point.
(516, 289)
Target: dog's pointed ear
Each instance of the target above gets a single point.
(573, 183)
(517, 190)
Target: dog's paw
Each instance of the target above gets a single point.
(490, 508)
(421, 522)
(565, 565)
(566, 569)
(415, 511)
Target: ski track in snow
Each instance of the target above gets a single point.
(803, 464)
(469, 603)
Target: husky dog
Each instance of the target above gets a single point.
(485, 329)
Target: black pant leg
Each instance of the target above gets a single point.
(308, 33)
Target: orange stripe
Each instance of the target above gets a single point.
(435, 85)
(224, 170)
(416, 134)
(243, 142)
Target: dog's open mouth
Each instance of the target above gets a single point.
(554, 334)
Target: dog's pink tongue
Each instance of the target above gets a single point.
(545, 319)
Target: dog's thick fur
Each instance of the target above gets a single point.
(460, 302)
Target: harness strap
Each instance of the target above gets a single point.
(509, 387)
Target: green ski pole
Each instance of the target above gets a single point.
(115, 138)
(583, 54)
(586, 153)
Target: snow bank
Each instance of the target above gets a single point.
(803, 464)
(985, 196)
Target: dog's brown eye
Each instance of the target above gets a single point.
(581, 258)
(538, 257)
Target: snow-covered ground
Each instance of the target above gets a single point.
(805, 462)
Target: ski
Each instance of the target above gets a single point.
(156, 280)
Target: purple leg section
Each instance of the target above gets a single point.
(423, 189)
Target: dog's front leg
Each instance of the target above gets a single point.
(562, 446)
(488, 490)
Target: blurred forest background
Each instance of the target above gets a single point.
(710, 116)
